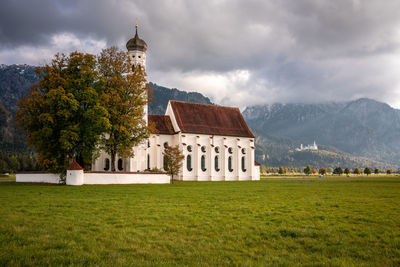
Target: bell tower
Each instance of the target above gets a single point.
(137, 50)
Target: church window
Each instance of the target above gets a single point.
(230, 150)
(243, 151)
(164, 163)
(189, 163)
(203, 149)
(148, 143)
(148, 161)
(165, 144)
(216, 163)
(133, 56)
(107, 164)
(243, 164)
(217, 150)
(120, 167)
(203, 163)
(189, 148)
(139, 56)
(230, 164)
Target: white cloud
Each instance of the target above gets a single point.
(59, 43)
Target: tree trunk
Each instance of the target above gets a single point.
(172, 179)
(113, 161)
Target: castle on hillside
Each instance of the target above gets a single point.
(308, 147)
(216, 142)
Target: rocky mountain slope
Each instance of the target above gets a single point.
(362, 128)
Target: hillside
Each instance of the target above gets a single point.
(364, 128)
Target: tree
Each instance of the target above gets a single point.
(376, 171)
(173, 160)
(307, 170)
(314, 171)
(388, 171)
(124, 98)
(367, 171)
(338, 171)
(347, 171)
(281, 171)
(357, 171)
(62, 114)
(322, 171)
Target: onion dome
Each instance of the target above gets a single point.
(136, 43)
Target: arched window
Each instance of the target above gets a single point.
(203, 163)
(243, 151)
(216, 149)
(189, 148)
(243, 164)
(148, 161)
(165, 144)
(203, 149)
(189, 163)
(230, 164)
(120, 167)
(164, 163)
(216, 163)
(107, 164)
(230, 150)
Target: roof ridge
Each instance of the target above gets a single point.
(194, 103)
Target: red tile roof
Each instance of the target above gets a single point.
(256, 163)
(161, 124)
(75, 166)
(210, 119)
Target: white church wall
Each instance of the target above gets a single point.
(125, 178)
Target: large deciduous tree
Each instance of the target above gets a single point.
(62, 114)
(125, 96)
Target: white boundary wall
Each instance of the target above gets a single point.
(95, 178)
(39, 177)
(125, 178)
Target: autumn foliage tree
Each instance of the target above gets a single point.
(125, 96)
(357, 171)
(62, 115)
(173, 160)
(322, 171)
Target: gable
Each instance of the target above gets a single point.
(209, 119)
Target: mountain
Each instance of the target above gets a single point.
(161, 96)
(364, 128)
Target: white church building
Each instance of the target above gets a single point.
(215, 140)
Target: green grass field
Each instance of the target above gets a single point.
(329, 221)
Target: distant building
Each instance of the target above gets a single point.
(308, 147)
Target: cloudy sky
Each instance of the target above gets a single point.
(236, 52)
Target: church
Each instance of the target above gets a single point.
(215, 140)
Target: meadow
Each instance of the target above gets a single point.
(310, 221)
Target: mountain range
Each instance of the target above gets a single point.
(351, 134)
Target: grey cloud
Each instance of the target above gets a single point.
(307, 50)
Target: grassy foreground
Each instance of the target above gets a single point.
(343, 221)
